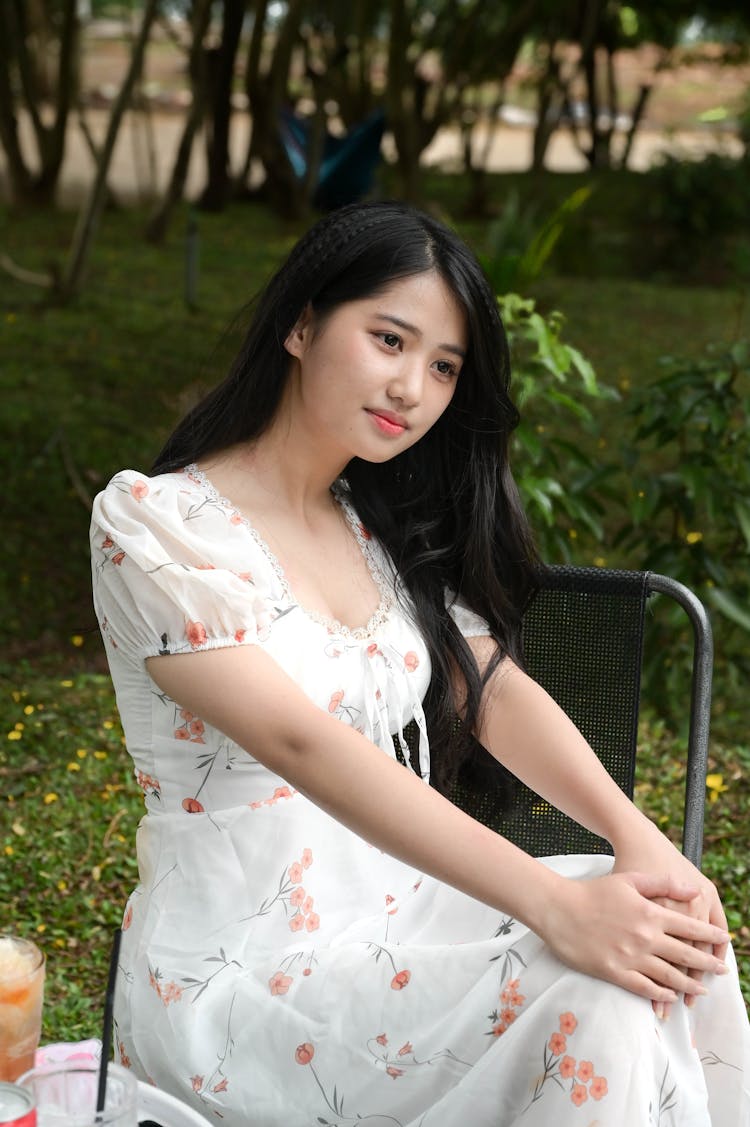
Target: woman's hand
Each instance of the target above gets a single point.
(655, 854)
(614, 928)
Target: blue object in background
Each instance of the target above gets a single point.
(347, 166)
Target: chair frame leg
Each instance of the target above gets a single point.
(700, 710)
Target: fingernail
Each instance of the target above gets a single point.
(722, 968)
(659, 1010)
(690, 1001)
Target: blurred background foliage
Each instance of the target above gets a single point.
(158, 159)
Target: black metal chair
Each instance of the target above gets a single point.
(583, 641)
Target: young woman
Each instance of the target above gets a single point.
(330, 547)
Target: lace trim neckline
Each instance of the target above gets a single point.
(333, 625)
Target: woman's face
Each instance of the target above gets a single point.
(378, 372)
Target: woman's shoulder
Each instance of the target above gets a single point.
(179, 494)
(130, 485)
(175, 514)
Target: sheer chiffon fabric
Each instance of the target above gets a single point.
(278, 970)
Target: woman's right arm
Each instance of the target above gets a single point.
(608, 927)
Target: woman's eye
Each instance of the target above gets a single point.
(445, 368)
(391, 340)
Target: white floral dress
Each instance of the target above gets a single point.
(277, 969)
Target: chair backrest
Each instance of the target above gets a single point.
(583, 641)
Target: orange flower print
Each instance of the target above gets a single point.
(279, 983)
(107, 542)
(236, 518)
(304, 1053)
(382, 1039)
(568, 1067)
(510, 1000)
(221, 1086)
(510, 995)
(297, 922)
(407, 1048)
(239, 635)
(364, 532)
(139, 490)
(127, 919)
(117, 558)
(197, 727)
(186, 716)
(598, 1088)
(295, 872)
(411, 661)
(336, 699)
(390, 900)
(308, 904)
(585, 1071)
(565, 1068)
(181, 734)
(394, 1072)
(312, 923)
(196, 1082)
(125, 1060)
(192, 806)
(170, 993)
(306, 972)
(579, 1095)
(307, 856)
(400, 980)
(195, 632)
(297, 897)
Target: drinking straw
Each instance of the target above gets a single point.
(107, 1030)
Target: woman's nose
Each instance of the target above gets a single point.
(406, 384)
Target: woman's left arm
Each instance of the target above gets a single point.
(526, 731)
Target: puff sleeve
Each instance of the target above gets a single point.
(470, 624)
(166, 575)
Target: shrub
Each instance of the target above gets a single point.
(553, 384)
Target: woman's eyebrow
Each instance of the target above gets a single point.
(417, 332)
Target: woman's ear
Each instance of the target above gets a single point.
(299, 337)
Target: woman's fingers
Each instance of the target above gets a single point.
(609, 928)
(656, 886)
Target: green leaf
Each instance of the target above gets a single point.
(730, 607)
(742, 509)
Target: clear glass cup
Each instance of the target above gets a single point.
(66, 1094)
(21, 994)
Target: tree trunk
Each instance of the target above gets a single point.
(91, 213)
(550, 102)
(18, 172)
(50, 139)
(159, 221)
(253, 86)
(644, 94)
(402, 108)
(267, 94)
(216, 192)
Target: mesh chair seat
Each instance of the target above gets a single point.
(583, 642)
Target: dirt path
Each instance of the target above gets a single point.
(146, 147)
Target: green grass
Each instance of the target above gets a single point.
(94, 387)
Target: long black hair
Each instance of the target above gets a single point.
(447, 509)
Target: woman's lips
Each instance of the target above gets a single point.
(388, 421)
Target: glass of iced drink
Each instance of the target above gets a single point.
(21, 992)
(66, 1095)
